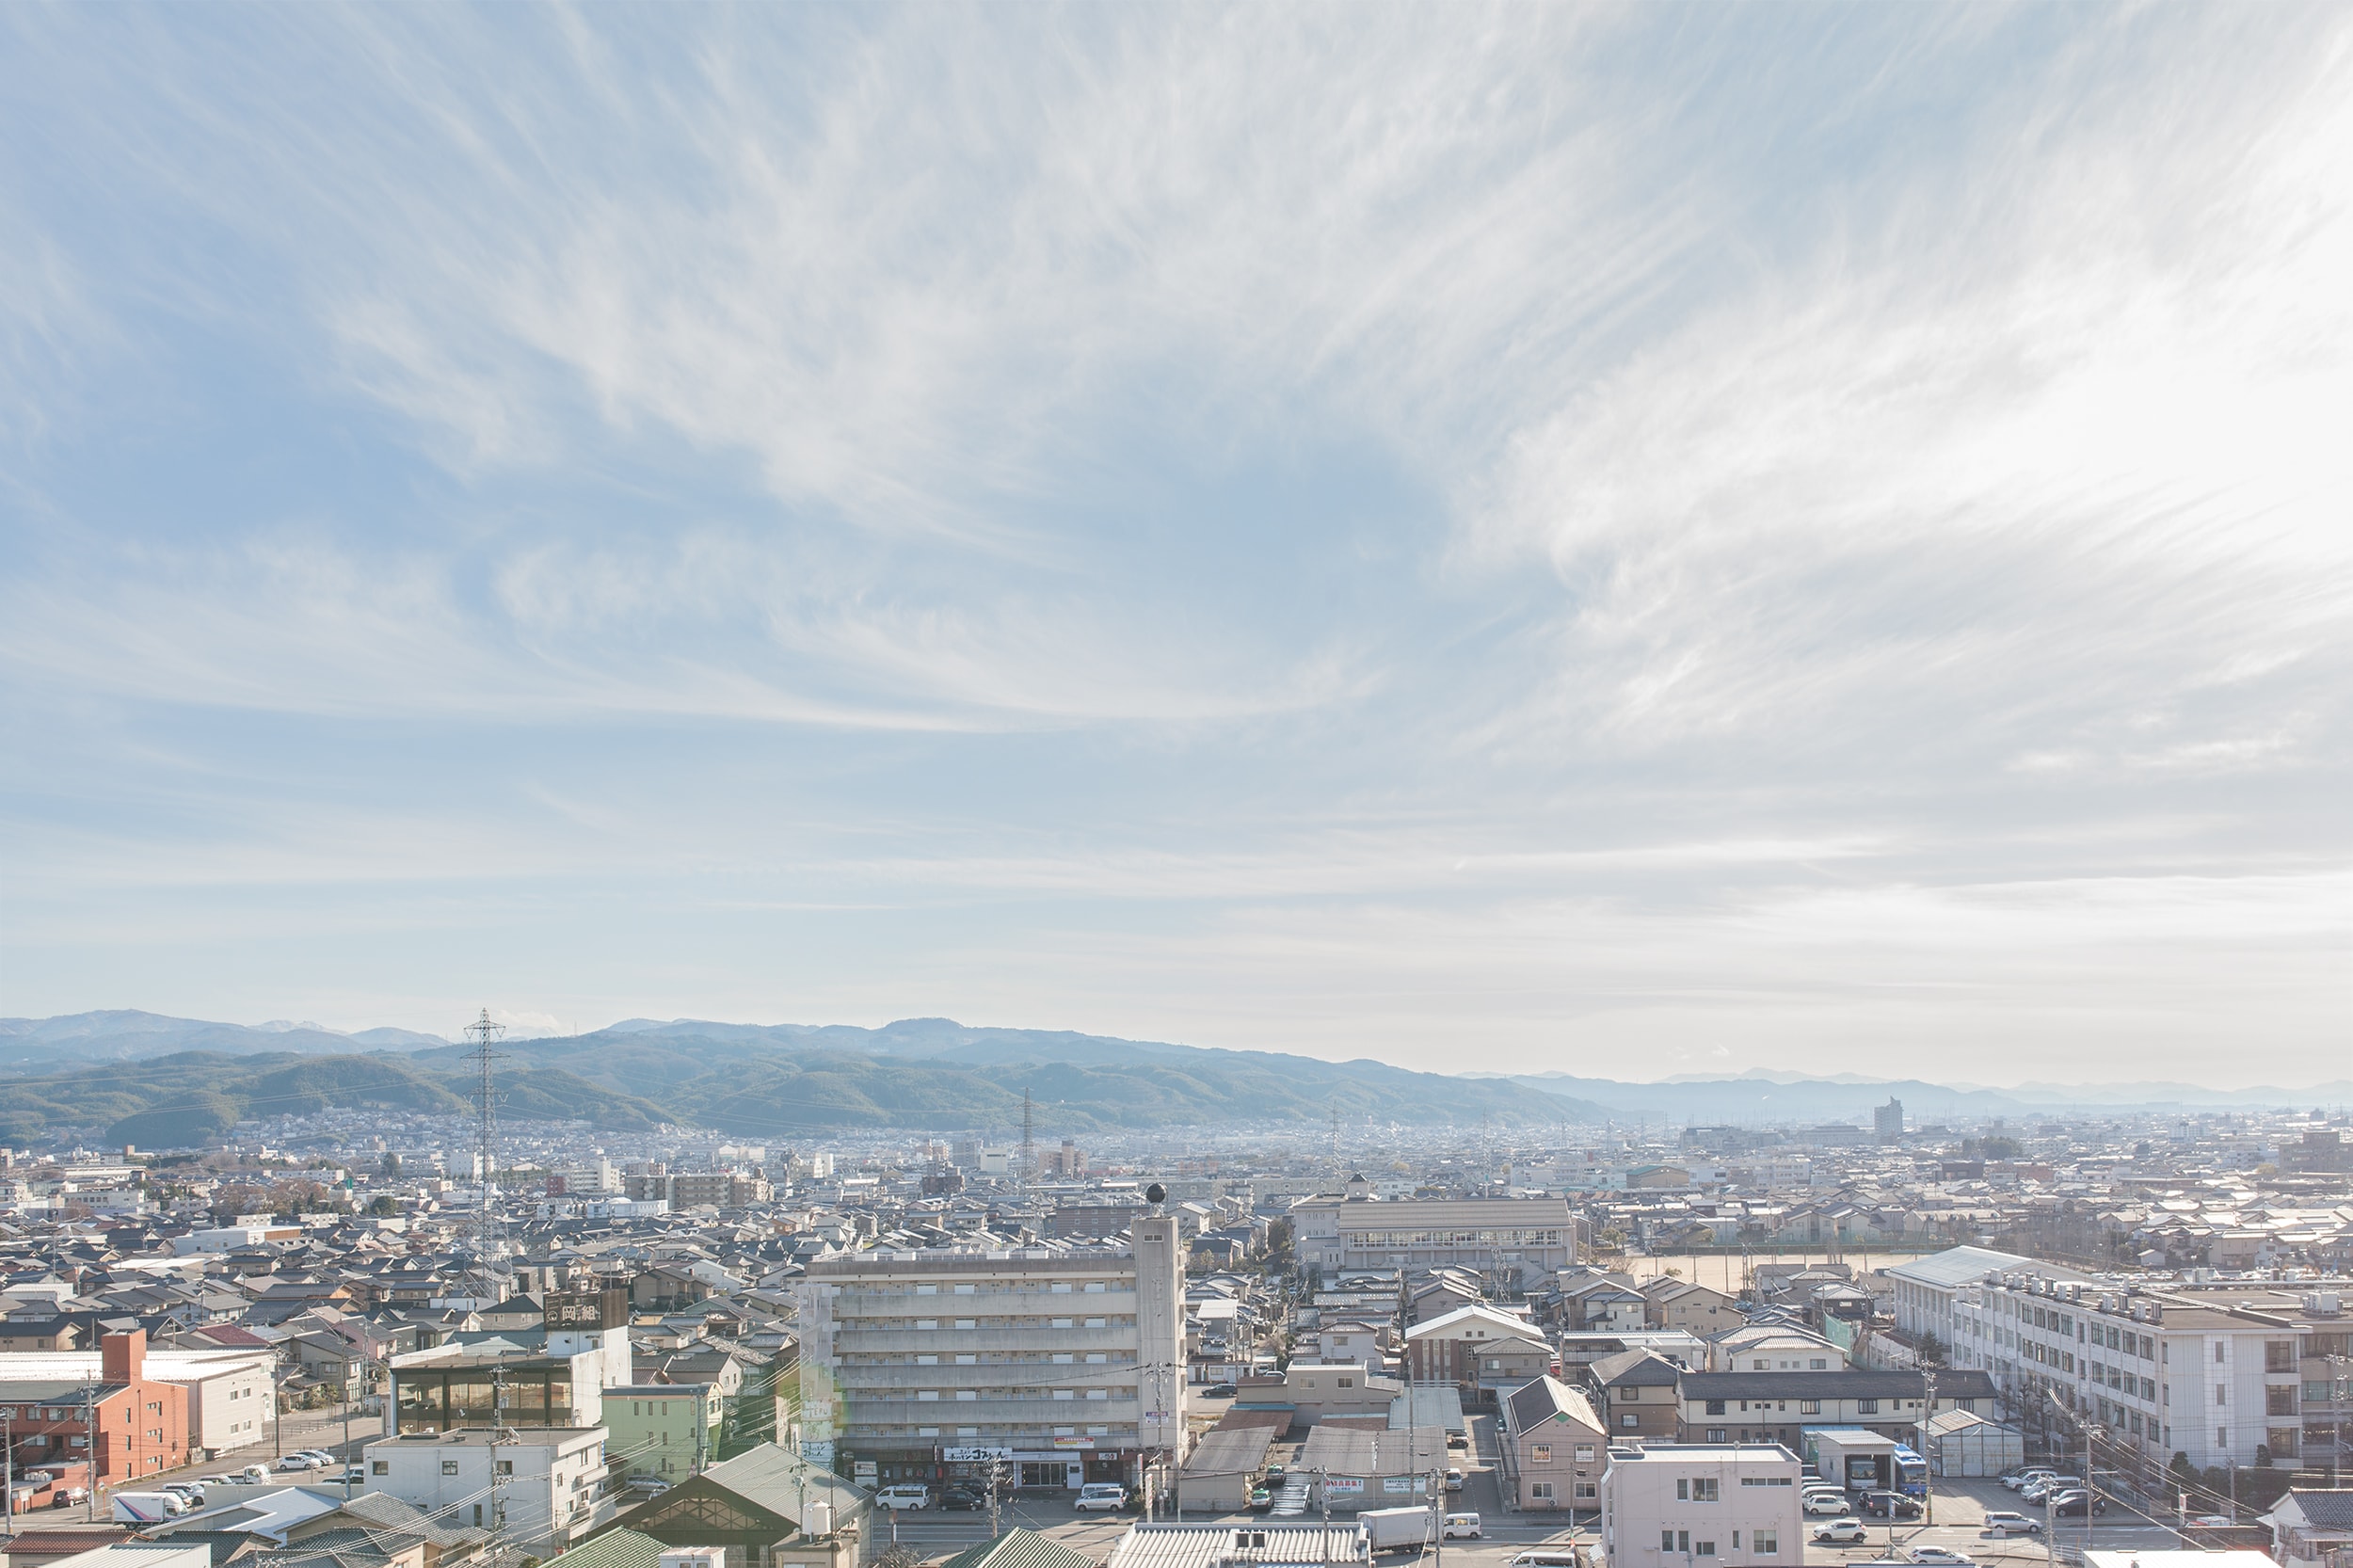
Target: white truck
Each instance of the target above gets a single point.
(1395, 1530)
(148, 1508)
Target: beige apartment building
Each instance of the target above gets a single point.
(1065, 1363)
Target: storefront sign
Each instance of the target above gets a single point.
(1074, 1442)
(864, 1470)
(974, 1456)
(1345, 1483)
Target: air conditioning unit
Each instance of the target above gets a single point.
(2327, 1304)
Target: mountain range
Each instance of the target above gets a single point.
(163, 1083)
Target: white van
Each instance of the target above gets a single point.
(1101, 1496)
(904, 1494)
(1463, 1526)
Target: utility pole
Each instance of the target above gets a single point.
(500, 1437)
(1927, 1476)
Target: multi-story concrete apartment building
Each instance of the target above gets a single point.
(1715, 1505)
(1526, 1239)
(2213, 1370)
(1065, 1363)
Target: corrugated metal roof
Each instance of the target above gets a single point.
(1210, 1545)
(1017, 1548)
(622, 1548)
(1384, 1452)
(1230, 1451)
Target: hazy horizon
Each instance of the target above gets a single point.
(526, 1026)
(1624, 540)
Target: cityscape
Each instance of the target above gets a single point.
(488, 1336)
(1218, 784)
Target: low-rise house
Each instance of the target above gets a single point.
(1637, 1390)
(2311, 1526)
(1554, 1447)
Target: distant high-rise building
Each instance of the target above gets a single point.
(1887, 1121)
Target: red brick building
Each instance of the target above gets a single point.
(127, 1425)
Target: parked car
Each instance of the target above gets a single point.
(1943, 1557)
(903, 1495)
(651, 1486)
(1463, 1526)
(254, 1472)
(297, 1462)
(963, 1497)
(1457, 1440)
(1101, 1496)
(1453, 1479)
(1547, 1557)
(1826, 1502)
(1261, 1500)
(2019, 1480)
(1889, 1505)
(1220, 1391)
(2003, 1521)
(2071, 1505)
(68, 1497)
(2044, 1486)
(1847, 1528)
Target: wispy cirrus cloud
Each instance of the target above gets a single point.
(1663, 519)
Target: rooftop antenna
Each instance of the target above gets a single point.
(484, 1033)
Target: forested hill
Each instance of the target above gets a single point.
(928, 1074)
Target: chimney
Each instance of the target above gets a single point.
(123, 1357)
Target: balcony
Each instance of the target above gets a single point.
(1003, 1375)
(987, 1303)
(911, 1341)
(982, 1410)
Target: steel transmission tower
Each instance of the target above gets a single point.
(485, 1058)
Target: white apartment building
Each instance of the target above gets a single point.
(1527, 1239)
(537, 1486)
(1702, 1505)
(1067, 1363)
(2211, 1369)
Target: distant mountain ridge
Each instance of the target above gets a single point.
(1762, 1096)
(120, 1035)
(196, 1079)
(770, 1080)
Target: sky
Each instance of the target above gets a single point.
(1618, 540)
